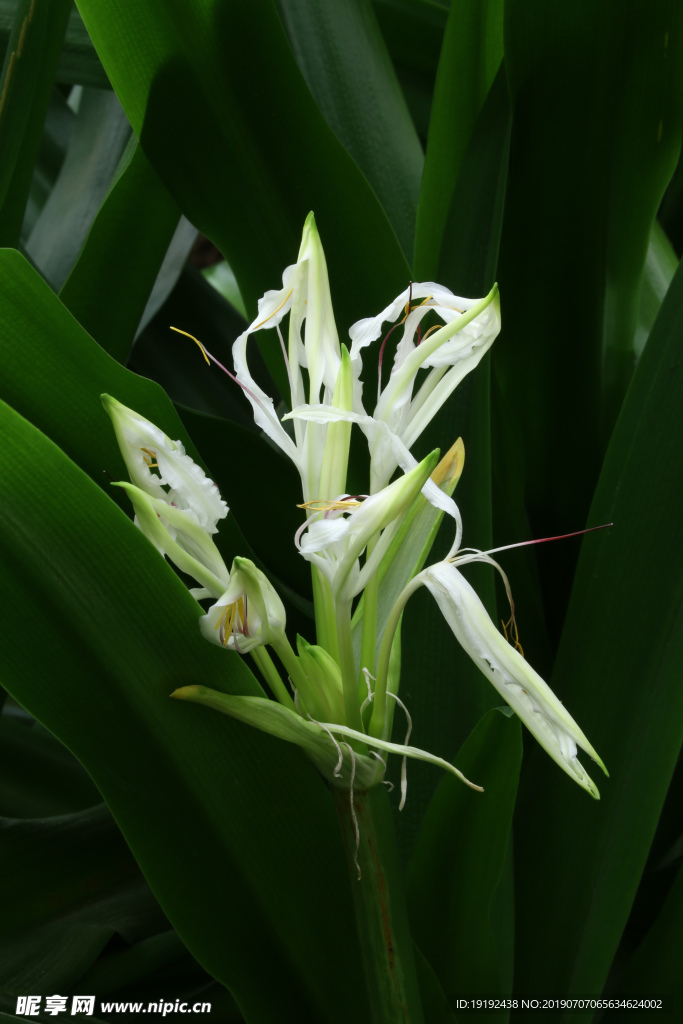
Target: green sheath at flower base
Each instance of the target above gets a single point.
(315, 738)
(324, 695)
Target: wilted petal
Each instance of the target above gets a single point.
(523, 689)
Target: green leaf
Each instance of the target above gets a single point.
(111, 281)
(25, 87)
(38, 776)
(57, 130)
(246, 182)
(471, 54)
(660, 266)
(221, 277)
(73, 868)
(78, 62)
(118, 632)
(342, 55)
(579, 208)
(413, 31)
(52, 365)
(447, 693)
(619, 669)
(654, 967)
(99, 137)
(458, 858)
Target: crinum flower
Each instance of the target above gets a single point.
(344, 687)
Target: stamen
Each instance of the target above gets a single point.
(195, 340)
(544, 540)
(435, 327)
(256, 326)
(227, 619)
(335, 504)
(225, 370)
(150, 461)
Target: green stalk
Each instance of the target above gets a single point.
(272, 676)
(369, 641)
(325, 623)
(379, 713)
(347, 664)
(379, 904)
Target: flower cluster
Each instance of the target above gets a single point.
(343, 690)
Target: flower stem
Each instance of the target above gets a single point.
(325, 624)
(367, 653)
(272, 676)
(379, 903)
(347, 664)
(378, 721)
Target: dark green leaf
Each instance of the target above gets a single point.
(619, 670)
(25, 87)
(655, 966)
(471, 54)
(111, 281)
(340, 50)
(38, 776)
(197, 796)
(458, 859)
(246, 181)
(98, 140)
(580, 204)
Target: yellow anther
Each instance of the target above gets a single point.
(228, 617)
(150, 461)
(409, 309)
(195, 340)
(436, 327)
(274, 311)
(321, 505)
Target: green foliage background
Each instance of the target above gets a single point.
(530, 142)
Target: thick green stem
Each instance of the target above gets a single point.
(379, 903)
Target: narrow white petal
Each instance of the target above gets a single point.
(524, 690)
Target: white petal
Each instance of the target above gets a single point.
(322, 534)
(524, 690)
(265, 416)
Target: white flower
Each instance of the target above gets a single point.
(180, 482)
(248, 614)
(335, 541)
(448, 352)
(313, 345)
